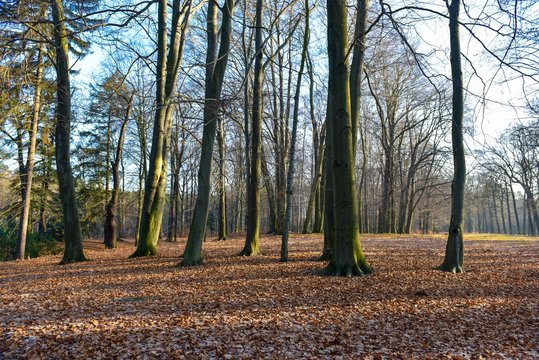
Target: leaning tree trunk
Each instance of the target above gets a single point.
(73, 251)
(454, 252)
(347, 258)
(112, 205)
(215, 72)
(252, 243)
(28, 174)
(291, 155)
(167, 72)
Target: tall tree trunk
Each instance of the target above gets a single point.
(222, 182)
(112, 205)
(141, 174)
(347, 257)
(454, 252)
(167, 71)
(73, 251)
(215, 72)
(356, 68)
(291, 155)
(252, 243)
(27, 175)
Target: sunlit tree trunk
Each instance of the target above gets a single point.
(73, 251)
(141, 173)
(252, 246)
(454, 252)
(168, 65)
(27, 175)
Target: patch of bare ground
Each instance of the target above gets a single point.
(238, 307)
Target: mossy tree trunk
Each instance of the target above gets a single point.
(252, 243)
(215, 71)
(454, 252)
(168, 65)
(347, 258)
(73, 251)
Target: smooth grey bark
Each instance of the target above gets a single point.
(454, 252)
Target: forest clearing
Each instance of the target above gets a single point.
(257, 307)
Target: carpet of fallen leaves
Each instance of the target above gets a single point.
(257, 308)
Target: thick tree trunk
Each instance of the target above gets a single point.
(215, 72)
(347, 258)
(252, 245)
(73, 251)
(27, 175)
(454, 252)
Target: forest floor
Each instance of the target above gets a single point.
(257, 308)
